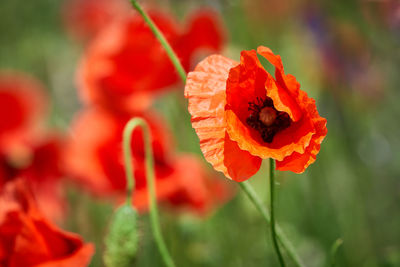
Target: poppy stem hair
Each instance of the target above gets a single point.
(272, 201)
(127, 137)
(282, 238)
(157, 33)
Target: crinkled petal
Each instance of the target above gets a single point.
(298, 162)
(285, 89)
(205, 90)
(250, 81)
(292, 139)
(246, 83)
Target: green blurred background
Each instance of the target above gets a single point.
(351, 192)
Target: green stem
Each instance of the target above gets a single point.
(127, 149)
(272, 200)
(127, 135)
(285, 242)
(158, 34)
(334, 249)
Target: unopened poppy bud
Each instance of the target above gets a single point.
(122, 238)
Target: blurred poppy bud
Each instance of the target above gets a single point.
(122, 239)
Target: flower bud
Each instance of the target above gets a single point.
(122, 238)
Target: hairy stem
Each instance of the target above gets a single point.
(155, 226)
(272, 201)
(285, 242)
(158, 34)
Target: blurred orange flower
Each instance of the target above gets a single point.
(94, 158)
(126, 65)
(242, 114)
(28, 239)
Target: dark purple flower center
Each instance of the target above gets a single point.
(265, 119)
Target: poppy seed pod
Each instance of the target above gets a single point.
(122, 239)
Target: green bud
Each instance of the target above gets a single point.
(122, 239)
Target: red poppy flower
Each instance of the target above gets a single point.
(24, 149)
(83, 19)
(28, 239)
(94, 158)
(126, 65)
(44, 175)
(242, 114)
(40, 167)
(22, 103)
(94, 153)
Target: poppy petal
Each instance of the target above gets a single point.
(250, 140)
(284, 90)
(200, 191)
(205, 90)
(22, 104)
(204, 32)
(29, 239)
(299, 162)
(246, 83)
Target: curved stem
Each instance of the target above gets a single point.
(272, 199)
(127, 150)
(158, 34)
(285, 242)
(127, 135)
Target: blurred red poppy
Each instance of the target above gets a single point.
(40, 167)
(22, 104)
(25, 150)
(126, 65)
(44, 175)
(94, 158)
(28, 239)
(94, 153)
(197, 189)
(83, 19)
(242, 114)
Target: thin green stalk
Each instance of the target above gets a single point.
(285, 242)
(334, 249)
(127, 149)
(272, 200)
(158, 34)
(130, 126)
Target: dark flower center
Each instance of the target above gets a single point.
(265, 119)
